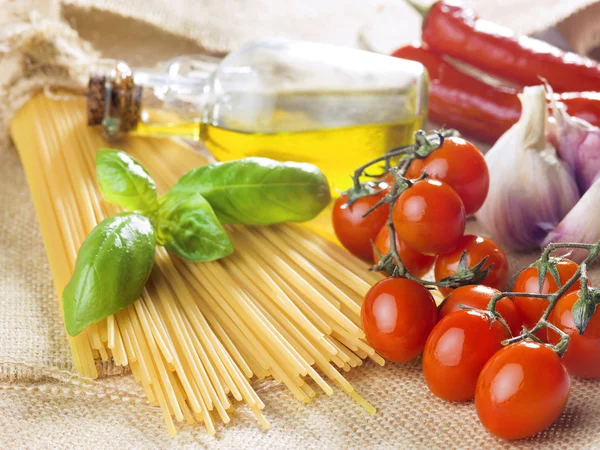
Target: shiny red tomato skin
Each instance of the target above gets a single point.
(355, 232)
(460, 164)
(397, 315)
(521, 390)
(416, 263)
(457, 349)
(532, 308)
(479, 296)
(477, 248)
(582, 357)
(430, 217)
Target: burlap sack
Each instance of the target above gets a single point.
(44, 405)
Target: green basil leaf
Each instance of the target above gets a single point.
(113, 265)
(125, 182)
(187, 226)
(259, 191)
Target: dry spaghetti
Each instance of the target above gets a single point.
(286, 304)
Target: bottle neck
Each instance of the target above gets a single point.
(169, 101)
(172, 105)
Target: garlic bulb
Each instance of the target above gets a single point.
(581, 224)
(578, 144)
(531, 189)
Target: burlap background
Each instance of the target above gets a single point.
(43, 405)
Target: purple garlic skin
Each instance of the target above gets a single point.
(578, 144)
(531, 189)
(581, 224)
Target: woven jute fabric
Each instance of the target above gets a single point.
(43, 404)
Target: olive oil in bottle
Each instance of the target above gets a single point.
(337, 151)
(331, 106)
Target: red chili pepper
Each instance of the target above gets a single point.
(459, 100)
(585, 105)
(456, 31)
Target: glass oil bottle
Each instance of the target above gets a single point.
(287, 100)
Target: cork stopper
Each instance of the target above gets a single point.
(114, 101)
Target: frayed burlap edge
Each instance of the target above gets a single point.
(37, 54)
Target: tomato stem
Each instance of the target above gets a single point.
(593, 248)
(579, 275)
(424, 145)
(500, 295)
(562, 345)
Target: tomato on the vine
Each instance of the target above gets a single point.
(416, 263)
(355, 232)
(477, 248)
(521, 390)
(462, 166)
(456, 351)
(430, 217)
(479, 296)
(582, 357)
(532, 308)
(397, 315)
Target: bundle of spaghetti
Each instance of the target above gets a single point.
(285, 305)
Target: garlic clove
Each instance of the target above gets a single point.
(581, 224)
(531, 189)
(578, 144)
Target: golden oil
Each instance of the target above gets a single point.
(336, 151)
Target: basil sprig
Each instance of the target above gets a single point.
(116, 259)
(113, 265)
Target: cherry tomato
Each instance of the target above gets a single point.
(582, 357)
(355, 232)
(430, 217)
(416, 263)
(462, 166)
(533, 308)
(397, 316)
(522, 389)
(479, 296)
(457, 349)
(477, 248)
